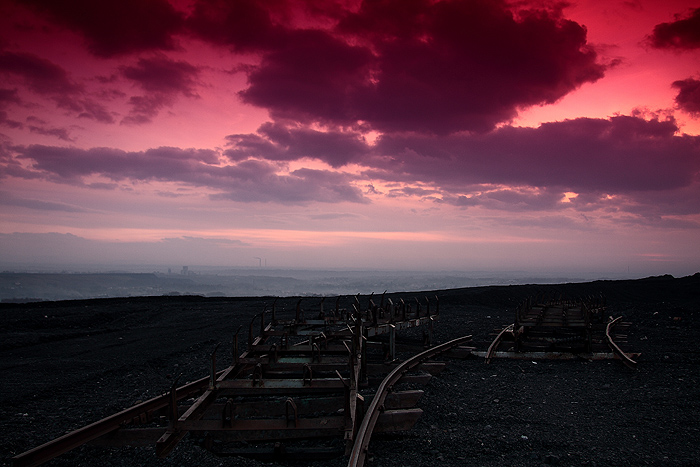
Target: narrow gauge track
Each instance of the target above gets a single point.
(300, 377)
(560, 330)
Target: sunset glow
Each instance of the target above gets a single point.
(449, 134)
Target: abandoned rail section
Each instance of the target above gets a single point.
(304, 376)
(327, 374)
(561, 329)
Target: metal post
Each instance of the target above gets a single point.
(212, 375)
(392, 342)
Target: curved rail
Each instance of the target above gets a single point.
(364, 433)
(626, 359)
(492, 348)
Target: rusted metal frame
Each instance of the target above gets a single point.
(282, 366)
(355, 402)
(263, 350)
(320, 427)
(364, 434)
(399, 325)
(421, 377)
(496, 342)
(282, 386)
(72, 440)
(535, 355)
(306, 405)
(334, 422)
(626, 359)
(391, 420)
(174, 434)
(141, 437)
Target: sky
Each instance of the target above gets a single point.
(389, 134)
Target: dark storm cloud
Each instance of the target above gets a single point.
(246, 181)
(688, 97)
(116, 27)
(436, 67)
(312, 77)
(683, 33)
(243, 25)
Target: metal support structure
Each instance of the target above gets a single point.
(292, 357)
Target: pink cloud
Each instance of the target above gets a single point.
(245, 181)
(276, 141)
(40, 75)
(616, 154)
(162, 79)
(8, 199)
(162, 75)
(47, 79)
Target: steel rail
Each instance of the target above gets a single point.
(72, 440)
(492, 348)
(364, 433)
(626, 359)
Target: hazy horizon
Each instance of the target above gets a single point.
(93, 281)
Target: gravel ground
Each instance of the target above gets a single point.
(66, 364)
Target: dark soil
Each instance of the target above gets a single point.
(66, 364)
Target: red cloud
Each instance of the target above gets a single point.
(684, 33)
(688, 98)
(116, 27)
(436, 67)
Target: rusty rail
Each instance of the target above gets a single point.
(492, 348)
(364, 433)
(561, 330)
(626, 359)
(306, 357)
(69, 441)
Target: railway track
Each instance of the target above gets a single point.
(561, 329)
(332, 374)
(310, 375)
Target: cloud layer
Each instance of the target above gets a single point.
(372, 106)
